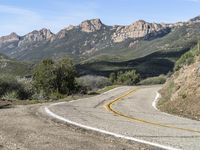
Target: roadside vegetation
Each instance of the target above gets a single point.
(125, 78)
(180, 94)
(58, 80)
(187, 59)
(54, 80)
(154, 80)
(93, 83)
(11, 88)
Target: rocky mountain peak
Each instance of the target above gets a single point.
(47, 34)
(91, 25)
(36, 36)
(195, 19)
(140, 22)
(42, 34)
(9, 38)
(138, 29)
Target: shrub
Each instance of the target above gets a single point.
(51, 77)
(154, 80)
(125, 78)
(13, 89)
(186, 59)
(12, 95)
(93, 82)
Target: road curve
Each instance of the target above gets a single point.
(127, 112)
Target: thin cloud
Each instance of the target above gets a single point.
(17, 11)
(22, 20)
(195, 1)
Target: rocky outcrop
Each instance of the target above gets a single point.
(136, 30)
(195, 19)
(91, 25)
(36, 36)
(9, 38)
(85, 39)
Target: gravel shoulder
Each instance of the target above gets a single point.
(26, 127)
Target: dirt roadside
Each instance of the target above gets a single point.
(23, 127)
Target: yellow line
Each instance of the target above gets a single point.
(133, 119)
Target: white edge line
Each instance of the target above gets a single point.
(106, 132)
(154, 103)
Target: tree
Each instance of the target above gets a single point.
(44, 76)
(125, 78)
(65, 76)
(55, 77)
(113, 77)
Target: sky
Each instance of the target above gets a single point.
(23, 16)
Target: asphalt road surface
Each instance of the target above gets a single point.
(29, 128)
(127, 112)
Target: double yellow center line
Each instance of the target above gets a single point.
(133, 119)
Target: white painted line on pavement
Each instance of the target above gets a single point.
(154, 103)
(49, 112)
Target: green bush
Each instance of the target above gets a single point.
(125, 78)
(93, 83)
(187, 58)
(52, 77)
(154, 80)
(12, 95)
(13, 89)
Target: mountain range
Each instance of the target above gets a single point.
(100, 49)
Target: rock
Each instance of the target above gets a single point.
(91, 25)
(139, 29)
(197, 69)
(10, 38)
(36, 36)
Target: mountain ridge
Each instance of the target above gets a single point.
(97, 48)
(109, 36)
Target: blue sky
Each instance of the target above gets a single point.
(23, 16)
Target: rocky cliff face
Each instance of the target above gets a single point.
(91, 25)
(10, 38)
(36, 36)
(85, 39)
(137, 30)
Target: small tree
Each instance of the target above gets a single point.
(54, 77)
(65, 76)
(44, 76)
(113, 77)
(125, 78)
(128, 77)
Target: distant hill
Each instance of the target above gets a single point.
(84, 41)
(12, 67)
(151, 48)
(150, 57)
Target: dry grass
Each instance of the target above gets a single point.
(181, 93)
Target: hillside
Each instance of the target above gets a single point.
(12, 67)
(81, 42)
(150, 48)
(181, 93)
(151, 57)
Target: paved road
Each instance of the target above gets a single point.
(128, 111)
(26, 128)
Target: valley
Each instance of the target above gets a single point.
(94, 85)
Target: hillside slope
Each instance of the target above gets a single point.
(150, 48)
(181, 93)
(80, 42)
(12, 67)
